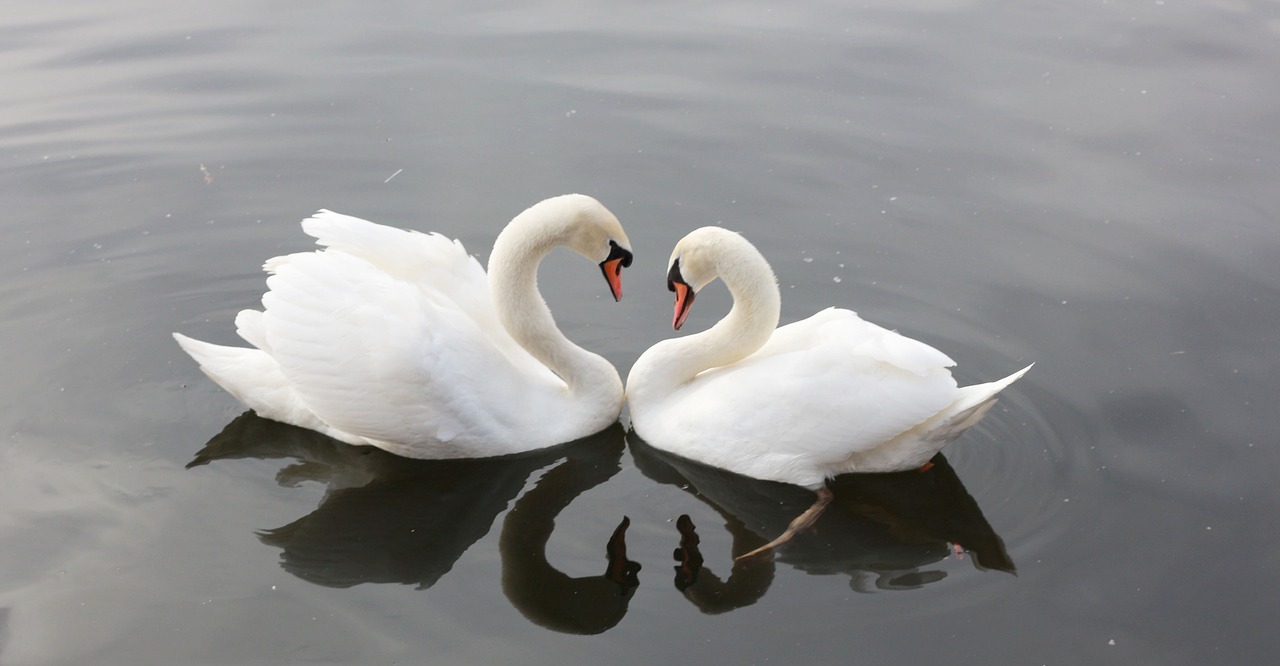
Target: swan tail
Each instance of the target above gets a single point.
(972, 405)
(255, 379)
(913, 448)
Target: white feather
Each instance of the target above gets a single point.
(392, 338)
(824, 396)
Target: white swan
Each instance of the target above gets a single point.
(398, 339)
(799, 404)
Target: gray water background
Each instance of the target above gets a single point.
(1089, 186)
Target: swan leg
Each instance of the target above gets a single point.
(801, 522)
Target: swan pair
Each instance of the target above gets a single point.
(399, 340)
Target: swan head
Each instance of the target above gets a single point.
(594, 232)
(575, 221)
(697, 261)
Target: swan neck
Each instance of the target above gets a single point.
(757, 306)
(513, 286)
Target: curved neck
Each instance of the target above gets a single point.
(757, 305)
(513, 286)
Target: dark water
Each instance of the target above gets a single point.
(1090, 186)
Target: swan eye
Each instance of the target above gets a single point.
(674, 277)
(618, 252)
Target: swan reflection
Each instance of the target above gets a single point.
(884, 531)
(388, 519)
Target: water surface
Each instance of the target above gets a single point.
(1089, 187)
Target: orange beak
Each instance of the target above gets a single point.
(684, 301)
(619, 257)
(612, 270)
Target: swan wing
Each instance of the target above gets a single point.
(438, 266)
(861, 385)
(396, 346)
(427, 259)
(430, 260)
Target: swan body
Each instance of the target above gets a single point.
(399, 339)
(799, 404)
